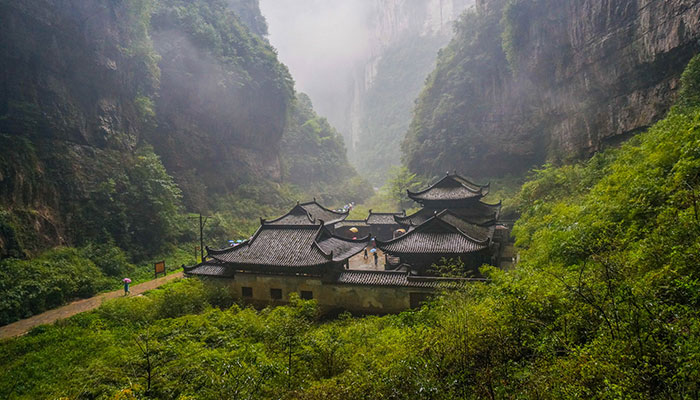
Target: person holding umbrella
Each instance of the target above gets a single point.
(376, 256)
(126, 281)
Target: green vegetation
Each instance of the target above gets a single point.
(446, 132)
(386, 114)
(605, 304)
(63, 274)
(214, 25)
(315, 158)
(516, 14)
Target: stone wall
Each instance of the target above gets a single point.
(331, 297)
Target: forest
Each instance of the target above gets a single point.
(604, 304)
(122, 122)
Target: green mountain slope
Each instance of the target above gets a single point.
(525, 81)
(604, 304)
(115, 117)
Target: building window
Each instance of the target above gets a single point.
(247, 291)
(307, 294)
(276, 294)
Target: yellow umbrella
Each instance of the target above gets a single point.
(353, 230)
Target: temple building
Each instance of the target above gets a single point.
(445, 235)
(383, 225)
(459, 195)
(453, 223)
(321, 213)
(297, 252)
(380, 225)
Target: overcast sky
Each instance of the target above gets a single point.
(320, 41)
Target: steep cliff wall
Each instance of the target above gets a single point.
(91, 91)
(527, 80)
(223, 99)
(72, 75)
(405, 37)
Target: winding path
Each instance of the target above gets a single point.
(23, 326)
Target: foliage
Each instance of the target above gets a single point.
(516, 14)
(386, 110)
(138, 207)
(63, 274)
(31, 287)
(314, 157)
(214, 25)
(604, 304)
(401, 180)
(446, 130)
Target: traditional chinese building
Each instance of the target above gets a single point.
(383, 225)
(298, 253)
(445, 235)
(456, 193)
(453, 223)
(351, 228)
(320, 213)
(379, 225)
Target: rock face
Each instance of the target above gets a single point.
(223, 100)
(405, 37)
(90, 89)
(528, 80)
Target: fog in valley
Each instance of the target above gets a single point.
(322, 42)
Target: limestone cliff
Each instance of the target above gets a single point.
(405, 37)
(91, 91)
(528, 80)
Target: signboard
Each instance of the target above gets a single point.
(159, 268)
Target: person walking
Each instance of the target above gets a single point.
(126, 281)
(376, 258)
(366, 253)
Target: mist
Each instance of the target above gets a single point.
(321, 41)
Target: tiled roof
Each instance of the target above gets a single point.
(451, 187)
(290, 246)
(351, 223)
(342, 248)
(296, 216)
(479, 213)
(401, 279)
(479, 233)
(319, 212)
(431, 243)
(438, 235)
(382, 218)
(416, 218)
(209, 269)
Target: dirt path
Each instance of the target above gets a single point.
(23, 326)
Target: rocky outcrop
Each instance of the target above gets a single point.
(565, 80)
(404, 39)
(222, 104)
(90, 89)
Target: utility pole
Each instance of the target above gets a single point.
(202, 223)
(201, 236)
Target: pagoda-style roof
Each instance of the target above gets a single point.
(444, 233)
(287, 248)
(309, 213)
(478, 213)
(378, 218)
(400, 279)
(210, 268)
(319, 212)
(296, 216)
(449, 189)
(351, 222)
